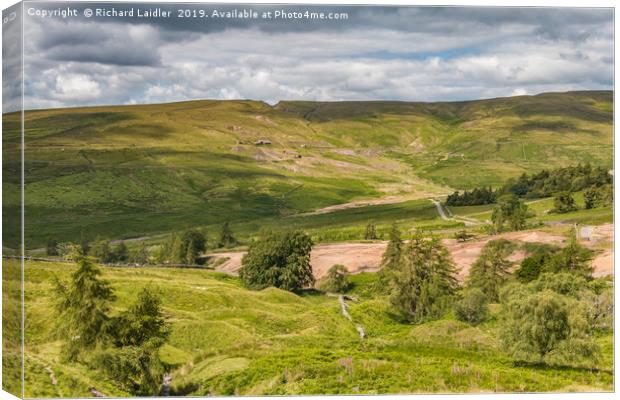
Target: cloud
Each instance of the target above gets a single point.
(379, 53)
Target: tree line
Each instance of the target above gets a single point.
(185, 247)
(595, 181)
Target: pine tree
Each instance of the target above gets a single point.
(491, 269)
(82, 307)
(371, 232)
(391, 259)
(424, 282)
(52, 248)
(226, 237)
(121, 253)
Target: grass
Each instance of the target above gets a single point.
(228, 340)
(129, 171)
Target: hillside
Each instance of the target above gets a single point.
(228, 340)
(130, 171)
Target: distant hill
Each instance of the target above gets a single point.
(122, 171)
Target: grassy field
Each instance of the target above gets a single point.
(229, 340)
(129, 171)
(141, 172)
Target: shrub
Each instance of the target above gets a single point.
(337, 280)
(278, 259)
(563, 203)
(472, 307)
(598, 196)
(573, 258)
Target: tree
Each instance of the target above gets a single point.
(371, 232)
(193, 244)
(141, 322)
(491, 269)
(472, 307)
(137, 335)
(185, 248)
(103, 252)
(82, 306)
(52, 248)
(511, 211)
(531, 267)
(226, 237)
(337, 279)
(546, 327)
(140, 255)
(598, 196)
(121, 253)
(573, 258)
(390, 261)
(424, 282)
(70, 251)
(278, 259)
(563, 202)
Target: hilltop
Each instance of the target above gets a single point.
(130, 171)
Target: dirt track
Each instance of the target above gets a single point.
(358, 257)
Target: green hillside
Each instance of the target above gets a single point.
(129, 171)
(227, 340)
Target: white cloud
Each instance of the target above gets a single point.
(76, 88)
(474, 54)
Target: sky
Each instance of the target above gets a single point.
(377, 53)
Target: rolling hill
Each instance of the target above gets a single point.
(129, 171)
(228, 340)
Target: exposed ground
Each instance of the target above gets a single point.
(358, 257)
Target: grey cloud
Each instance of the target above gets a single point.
(390, 53)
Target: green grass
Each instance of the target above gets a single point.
(229, 340)
(127, 171)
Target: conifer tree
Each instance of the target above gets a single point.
(226, 237)
(422, 286)
(491, 269)
(82, 307)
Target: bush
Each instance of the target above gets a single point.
(278, 259)
(546, 327)
(573, 258)
(472, 307)
(563, 203)
(337, 279)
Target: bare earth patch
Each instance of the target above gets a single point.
(359, 257)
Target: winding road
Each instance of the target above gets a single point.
(440, 210)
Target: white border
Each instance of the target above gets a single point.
(485, 3)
